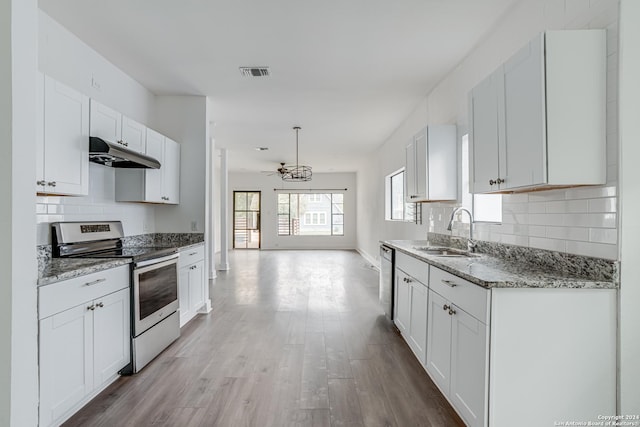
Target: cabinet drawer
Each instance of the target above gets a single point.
(470, 297)
(61, 296)
(415, 268)
(190, 255)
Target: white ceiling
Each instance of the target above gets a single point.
(347, 71)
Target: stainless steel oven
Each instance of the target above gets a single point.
(155, 291)
(155, 321)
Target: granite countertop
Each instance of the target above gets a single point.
(58, 269)
(53, 270)
(493, 272)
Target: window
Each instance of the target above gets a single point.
(397, 196)
(485, 207)
(395, 207)
(315, 218)
(312, 214)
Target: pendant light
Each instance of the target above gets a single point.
(297, 173)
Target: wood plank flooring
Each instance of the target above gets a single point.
(296, 338)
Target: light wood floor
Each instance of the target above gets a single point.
(296, 338)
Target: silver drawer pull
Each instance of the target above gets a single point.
(95, 282)
(193, 253)
(449, 283)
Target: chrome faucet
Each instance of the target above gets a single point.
(471, 244)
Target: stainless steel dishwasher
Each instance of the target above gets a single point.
(387, 261)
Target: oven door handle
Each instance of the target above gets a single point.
(156, 260)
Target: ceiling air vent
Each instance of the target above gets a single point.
(255, 71)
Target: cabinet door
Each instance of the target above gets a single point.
(421, 173)
(112, 335)
(418, 326)
(468, 366)
(106, 123)
(171, 176)
(525, 129)
(134, 134)
(403, 307)
(410, 173)
(66, 361)
(184, 299)
(442, 163)
(196, 286)
(486, 130)
(66, 139)
(439, 341)
(153, 177)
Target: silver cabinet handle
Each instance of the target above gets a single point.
(51, 183)
(193, 253)
(121, 142)
(449, 283)
(91, 307)
(95, 282)
(445, 307)
(451, 311)
(499, 181)
(41, 182)
(100, 305)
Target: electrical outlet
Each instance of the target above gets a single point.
(145, 226)
(194, 226)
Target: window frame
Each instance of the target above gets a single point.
(389, 204)
(321, 217)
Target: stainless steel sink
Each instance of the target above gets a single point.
(444, 252)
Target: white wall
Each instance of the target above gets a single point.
(266, 184)
(18, 301)
(629, 207)
(71, 61)
(580, 221)
(185, 120)
(68, 59)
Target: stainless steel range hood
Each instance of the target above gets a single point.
(115, 155)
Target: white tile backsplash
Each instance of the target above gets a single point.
(99, 205)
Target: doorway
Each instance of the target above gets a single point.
(246, 219)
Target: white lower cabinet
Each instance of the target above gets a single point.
(439, 342)
(81, 348)
(191, 283)
(456, 358)
(403, 307)
(418, 325)
(506, 354)
(411, 312)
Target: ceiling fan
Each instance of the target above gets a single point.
(293, 173)
(280, 171)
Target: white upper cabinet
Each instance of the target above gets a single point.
(153, 185)
(171, 172)
(431, 165)
(540, 112)
(112, 126)
(62, 149)
(153, 191)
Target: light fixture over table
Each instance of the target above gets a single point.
(297, 173)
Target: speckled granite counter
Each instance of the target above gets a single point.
(494, 272)
(57, 269)
(51, 270)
